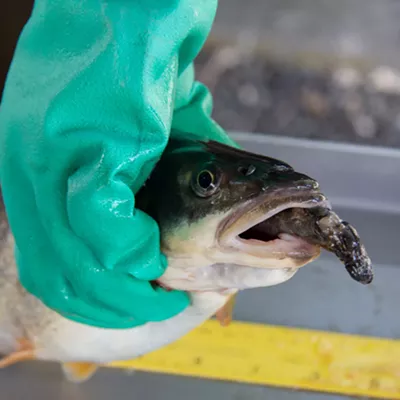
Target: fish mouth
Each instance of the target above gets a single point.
(247, 233)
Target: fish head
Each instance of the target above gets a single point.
(207, 198)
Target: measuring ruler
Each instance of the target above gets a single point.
(283, 357)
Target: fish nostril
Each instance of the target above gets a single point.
(247, 170)
(281, 168)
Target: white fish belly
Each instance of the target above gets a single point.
(66, 340)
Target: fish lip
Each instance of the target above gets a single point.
(226, 236)
(304, 198)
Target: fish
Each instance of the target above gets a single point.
(229, 220)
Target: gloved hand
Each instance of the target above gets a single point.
(93, 91)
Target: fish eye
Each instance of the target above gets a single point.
(206, 182)
(205, 179)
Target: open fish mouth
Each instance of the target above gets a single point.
(250, 230)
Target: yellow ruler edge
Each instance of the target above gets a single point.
(283, 357)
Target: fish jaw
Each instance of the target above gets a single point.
(284, 251)
(223, 278)
(212, 256)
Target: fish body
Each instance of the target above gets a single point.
(212, 203)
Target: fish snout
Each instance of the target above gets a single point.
(305, 182)
(292, 180)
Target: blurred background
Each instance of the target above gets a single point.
(304, 81)
(311, 68)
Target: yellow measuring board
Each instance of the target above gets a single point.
(283, 357)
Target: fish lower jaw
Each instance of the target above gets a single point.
(285, 252)
(227, 279)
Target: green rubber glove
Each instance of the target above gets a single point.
(94, 89)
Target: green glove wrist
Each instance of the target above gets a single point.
(193, 117)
